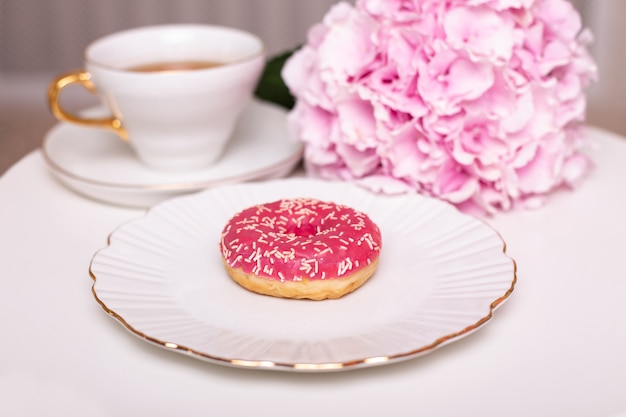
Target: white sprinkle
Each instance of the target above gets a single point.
(237, 259)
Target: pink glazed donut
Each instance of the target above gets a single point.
(301, 248)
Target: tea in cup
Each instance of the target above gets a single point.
(174, 92)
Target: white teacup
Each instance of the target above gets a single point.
(175, 92)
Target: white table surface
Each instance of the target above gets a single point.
(555, 348)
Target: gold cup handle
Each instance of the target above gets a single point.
(83, 78)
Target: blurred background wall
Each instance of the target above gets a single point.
(607, 98)
(39, 38)
(50, 35)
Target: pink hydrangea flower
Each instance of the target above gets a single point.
(477, 102)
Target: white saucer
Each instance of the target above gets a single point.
(98, 165)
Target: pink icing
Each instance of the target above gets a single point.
(299, 239)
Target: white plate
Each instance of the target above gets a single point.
(441, 275)
(96, 164)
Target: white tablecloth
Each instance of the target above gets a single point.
(555, 348)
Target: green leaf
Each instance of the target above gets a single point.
(271, 86)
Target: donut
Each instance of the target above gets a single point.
(300, 248)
